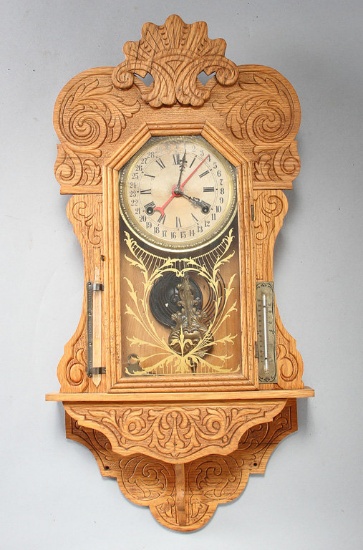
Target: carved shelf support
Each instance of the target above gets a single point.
(174, 433)
(184, 496)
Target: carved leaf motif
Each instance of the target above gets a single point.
(175, 433)
(261, 110)
(268, 208)
(73, 169)
(174, 54)
(145, 479)
(92, 113)
(72, 367)
(278, 164)
(210, 480)
(264, 112)
(90, 218)
(289, 359)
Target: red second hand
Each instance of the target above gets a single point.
(161, 209)
(192, 174)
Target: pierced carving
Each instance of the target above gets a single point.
(174, 433)
(174, 54)
(209, 481)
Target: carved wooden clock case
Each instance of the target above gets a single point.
(180, 378)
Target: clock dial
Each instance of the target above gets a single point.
(178, 193)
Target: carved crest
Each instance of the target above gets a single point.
(174, 54)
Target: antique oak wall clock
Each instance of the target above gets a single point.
(180, 378)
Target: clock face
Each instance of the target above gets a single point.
(178, 193)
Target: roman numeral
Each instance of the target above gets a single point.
(193, 161)
(162, 219)
(176, 158)
(208, 189)
(196, 219)
(149, 176)
(204, 174)
(160, 163)
(145, 191)
(177, 222)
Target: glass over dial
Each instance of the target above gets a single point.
(178, 193)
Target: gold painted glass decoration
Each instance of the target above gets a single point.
(179, 311)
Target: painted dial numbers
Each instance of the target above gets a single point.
(178, 193)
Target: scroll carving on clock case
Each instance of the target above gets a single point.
(175, 433)
(210, 480)
(177, 182)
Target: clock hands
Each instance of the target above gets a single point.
(182, 164)
(205, 207)
(194, 171)
(177, 190)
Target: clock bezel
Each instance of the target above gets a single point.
(174, 247)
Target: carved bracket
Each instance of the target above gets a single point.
(174, 434)
(185, 497)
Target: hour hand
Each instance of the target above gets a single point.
(204, 206)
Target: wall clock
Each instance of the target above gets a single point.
(180, 378)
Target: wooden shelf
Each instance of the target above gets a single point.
(180, 397)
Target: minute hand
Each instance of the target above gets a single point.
(192, 173)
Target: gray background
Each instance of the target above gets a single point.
(52, 494)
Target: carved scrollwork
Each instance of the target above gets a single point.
(209, 481)
(145, 479)
(72, 368)
(260, 110)
(73, 169)
(289, 360)
(91, 114)
(174, 433)
(269, 206)
(278, 164)
(174, 54)
(263, 110)
(89, 217)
